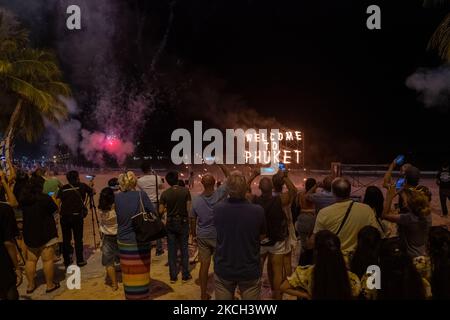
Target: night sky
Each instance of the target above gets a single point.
(313, 65)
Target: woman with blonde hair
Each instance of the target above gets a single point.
(134, 257)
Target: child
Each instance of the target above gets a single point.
(108, 227)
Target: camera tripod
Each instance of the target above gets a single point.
(90, 204)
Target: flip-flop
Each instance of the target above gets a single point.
(32, 290)
(57, 286)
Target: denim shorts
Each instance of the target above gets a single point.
(110, 250)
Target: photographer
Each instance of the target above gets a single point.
(73, 211)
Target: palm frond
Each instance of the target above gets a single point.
(30, 93)
(440, 40)
(5, 67)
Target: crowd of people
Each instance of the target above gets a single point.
(315, 243)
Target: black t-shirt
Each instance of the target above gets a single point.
(275, 217)
(8, 231)
(175, 199)
(39, 225)
(73, 197)
(444, 178)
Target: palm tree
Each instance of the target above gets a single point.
(440, 40)
(31, 80)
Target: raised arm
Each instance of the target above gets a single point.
(11, 198)
(287, 198)
(387, 180)
(224, 169)
(387, 215)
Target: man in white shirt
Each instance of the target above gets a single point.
(153, 186)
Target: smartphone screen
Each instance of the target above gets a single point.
(51, 194)
(399, 160)
(399, 184)
(268, 170)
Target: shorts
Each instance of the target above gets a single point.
(37, 251)
(110, 250)
(278, 248)
(206, 248)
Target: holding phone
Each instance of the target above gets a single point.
(400, 160)
(282, 166)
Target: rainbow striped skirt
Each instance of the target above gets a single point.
(135, 264)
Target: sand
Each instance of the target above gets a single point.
(95, 287)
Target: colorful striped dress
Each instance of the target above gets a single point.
(134, 258)
(135, 264)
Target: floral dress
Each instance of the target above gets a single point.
(372, 294)
(302, 278)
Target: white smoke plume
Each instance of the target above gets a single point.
(433, 85)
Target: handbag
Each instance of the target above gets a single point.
(147, 225)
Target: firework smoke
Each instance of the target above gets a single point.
(433, 86)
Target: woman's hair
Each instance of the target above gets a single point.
(367, 251)
(127, 181)
(400, 278)
(439, 250)
(31, 191)
(106, 199)
(374, 198)
(309, 183)
(418, 200)
(330, 279)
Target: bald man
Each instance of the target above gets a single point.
(346, 217)
(202, 212)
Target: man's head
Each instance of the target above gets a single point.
(208, 182)
(236, 185)
(341, 188)
(326, 183)
(412, 176)
(73, 177)
(39, 172)
(145, 166)
(266, 186)
(172, 178)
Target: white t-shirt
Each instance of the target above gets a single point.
(108, 222)
(148, 185)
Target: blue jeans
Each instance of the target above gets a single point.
(177, 241)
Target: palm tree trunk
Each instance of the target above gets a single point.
(9, 133)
